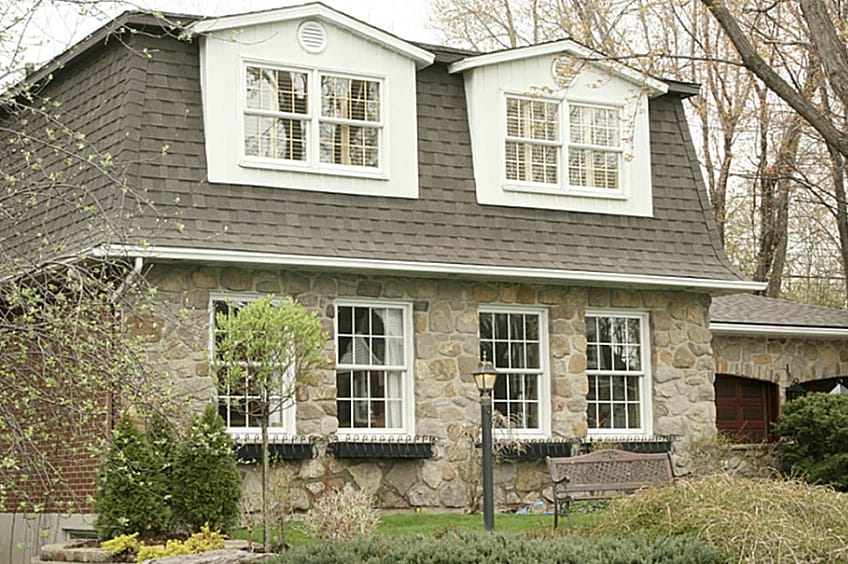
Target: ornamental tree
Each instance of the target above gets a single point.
(268, 349)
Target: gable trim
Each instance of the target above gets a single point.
(421, 56)
(426, 268)
(563, 46)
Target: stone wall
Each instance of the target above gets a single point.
(446, 352)
(781, 360)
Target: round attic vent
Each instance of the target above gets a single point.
(312, 36)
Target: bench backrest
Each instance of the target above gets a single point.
(608, 472)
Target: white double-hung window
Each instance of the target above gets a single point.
(617, 355)
(373, 368)
(532, 140)
(240, 402)
(516, 343)
(306, 117)
(594, 147)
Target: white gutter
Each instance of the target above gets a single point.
(424, 268)
(751, 329)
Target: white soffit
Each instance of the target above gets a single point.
(319, 11)
(562, 46)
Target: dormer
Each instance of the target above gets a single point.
(308, 98)
(556, 126)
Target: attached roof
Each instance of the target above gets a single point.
(746, 314)
(562, 46)
(320, 11)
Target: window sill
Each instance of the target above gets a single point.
(559, 190)
(294, 166)
(383, 447)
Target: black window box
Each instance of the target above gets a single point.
(536, 450)
(381, 449)
(660, 445)
(278, 451)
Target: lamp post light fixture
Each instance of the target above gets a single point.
(795, 391)
(485, 377)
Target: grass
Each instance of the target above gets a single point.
(432, 524)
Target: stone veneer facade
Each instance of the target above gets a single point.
(445, 321)
(767, 358)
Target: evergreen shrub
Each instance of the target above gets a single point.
(814, 433)
(130, 496)
(498, 548)
(206, 485)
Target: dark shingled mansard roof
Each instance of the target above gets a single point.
(747, 309)
(444, 225)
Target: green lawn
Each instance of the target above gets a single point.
(430, 524)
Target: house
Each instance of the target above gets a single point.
(541, 205)
(762, 347)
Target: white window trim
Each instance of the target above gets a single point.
(545, 399)
(645, 386)
(250, 435)
(313, 160)
(529, 184)
(564, 186)
(408, 382)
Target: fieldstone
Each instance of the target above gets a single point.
(367, 476)
(391, 500)
(312, 469)
(299, 499)
(552, 296)
(431, 473)
(221, 556)
(426, 346)
(295, 283)
(448, 473)
(484, 293)
(401, 477)
(167, 279)
(451, 349)
(369, 288)
(422, 496)
(560, 346)
(528, 478)
(508, 294)
(315, 488)
(577, 363)
(452, 494)
(683, 357)
(526, 295)
(443, 369)
(441, 318)
(467, 322)
(269, 283)
(236, 279)
(394, 289)
(325, 285)
(329, 425)
(205, 278)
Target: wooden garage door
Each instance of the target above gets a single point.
(745, 408)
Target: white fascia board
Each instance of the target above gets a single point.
(756, 330)
(421, 56)
(566, 46)
(425, 268)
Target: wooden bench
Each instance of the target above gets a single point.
(604, 474)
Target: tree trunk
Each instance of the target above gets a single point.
(266, 479)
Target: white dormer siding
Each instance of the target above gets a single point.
(551, 130)
(253, 141)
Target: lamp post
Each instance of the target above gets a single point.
(485, 377)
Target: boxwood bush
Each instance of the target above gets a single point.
(814, 429)
(463, 547)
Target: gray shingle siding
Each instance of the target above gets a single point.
(444, 225)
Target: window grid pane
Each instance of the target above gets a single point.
(370, 367)
(532, 145)
(511, 342)
(614, 355)
(238, 404)
(594, 157)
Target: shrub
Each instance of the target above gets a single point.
(342, 514)
(129, 496)
(203, 541)
(747, 520)
(487, 548)
(205, 457)
(814, 429)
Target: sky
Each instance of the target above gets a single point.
(55, 29)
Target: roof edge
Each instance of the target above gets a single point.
(766, 330)
(422, 57)
(112, 27)
(427, 268)
(563, 45)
